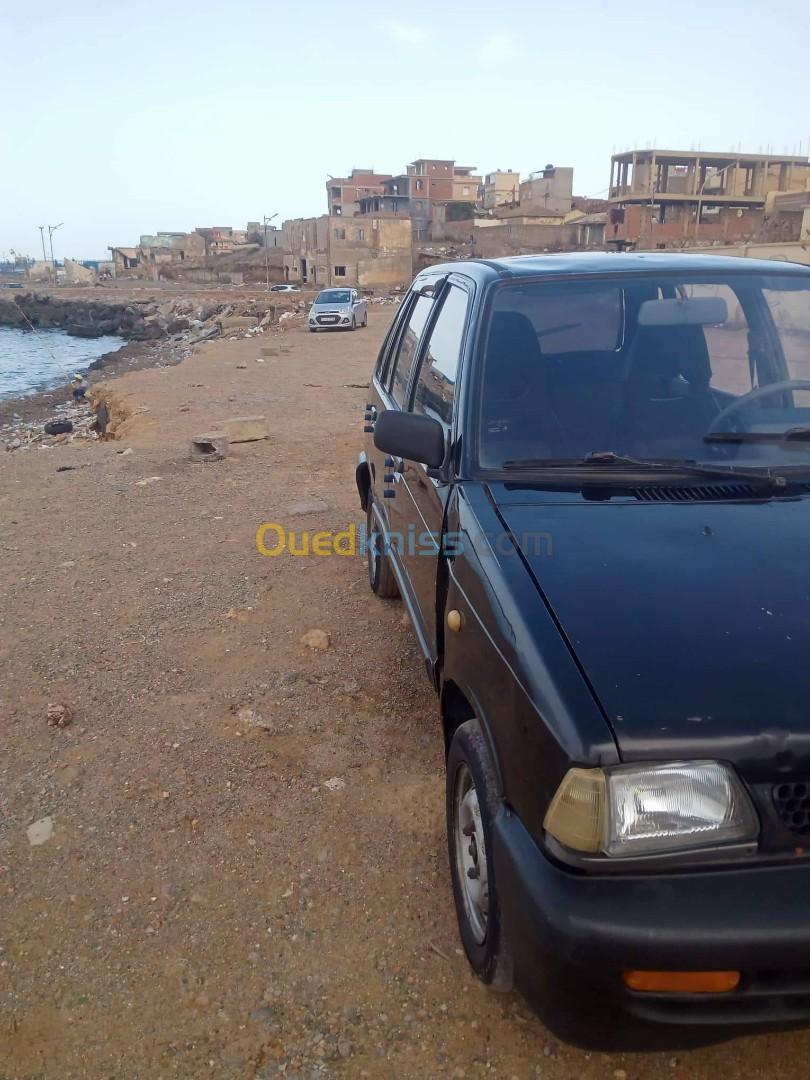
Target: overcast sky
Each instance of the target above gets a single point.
(125, 118)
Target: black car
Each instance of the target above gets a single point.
(588, 477)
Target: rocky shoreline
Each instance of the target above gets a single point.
(158, 335)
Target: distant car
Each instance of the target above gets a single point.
(284, 288)
(338, 309)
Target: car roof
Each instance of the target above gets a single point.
(605, 262)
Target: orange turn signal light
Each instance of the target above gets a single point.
(682, 982)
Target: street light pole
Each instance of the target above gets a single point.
(267, 221)
(42, 238)
(51, 230)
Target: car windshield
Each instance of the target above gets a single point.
(333, 296)
(711, 369)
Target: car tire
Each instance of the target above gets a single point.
(354, 323)
(365, 320)
(380, 572)
(472, 803)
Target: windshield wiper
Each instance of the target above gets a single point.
(601, 458)
(794, 434)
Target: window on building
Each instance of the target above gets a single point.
(418, 185)
(407, 348)
(340, 271)
(335, 192)
(361, 234)
(436, 387)
(465, 190)
(340, 234)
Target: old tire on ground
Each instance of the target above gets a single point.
(58, 427)
(472, 802)
(380, 572)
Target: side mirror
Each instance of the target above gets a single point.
(410, 436)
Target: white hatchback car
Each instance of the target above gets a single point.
(338, 309)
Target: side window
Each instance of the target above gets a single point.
(406, 350)
(437, 377)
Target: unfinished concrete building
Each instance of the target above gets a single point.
(675, 198)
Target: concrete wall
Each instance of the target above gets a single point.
(76, 274)
(798, 253)
(513, 238)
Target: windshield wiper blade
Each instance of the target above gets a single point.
(601, 458)
(795, 434)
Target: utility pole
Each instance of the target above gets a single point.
(267, 221)
(51, 230)
(42, 238)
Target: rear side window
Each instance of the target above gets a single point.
(406, 349)
(436, 387)
(569, 318)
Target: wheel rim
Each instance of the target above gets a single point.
(471, 853)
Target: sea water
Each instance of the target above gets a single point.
(31, 361)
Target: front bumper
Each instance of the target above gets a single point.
(334, 320)
(573, 934)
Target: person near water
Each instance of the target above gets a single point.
(80, 386)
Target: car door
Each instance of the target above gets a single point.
(421, 498)
(390, 387)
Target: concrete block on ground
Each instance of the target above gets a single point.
(241, 429)
(213, 446)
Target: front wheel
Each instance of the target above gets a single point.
(354, 323)
(380, 572)
(472, 802)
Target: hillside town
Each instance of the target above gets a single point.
(379, 229)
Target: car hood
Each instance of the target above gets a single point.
(691, 622)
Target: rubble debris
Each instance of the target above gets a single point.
(147, 480)
(252, 718)
(318, 640)
(39, 832)
(59, 716)
(213, 446)
(334, 784)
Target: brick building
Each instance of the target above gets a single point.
(343, 194)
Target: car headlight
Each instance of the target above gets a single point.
(645, 809)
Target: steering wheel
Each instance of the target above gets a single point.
(754, 395)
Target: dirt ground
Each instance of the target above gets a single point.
(209, 904)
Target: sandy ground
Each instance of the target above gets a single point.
(208, 905)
